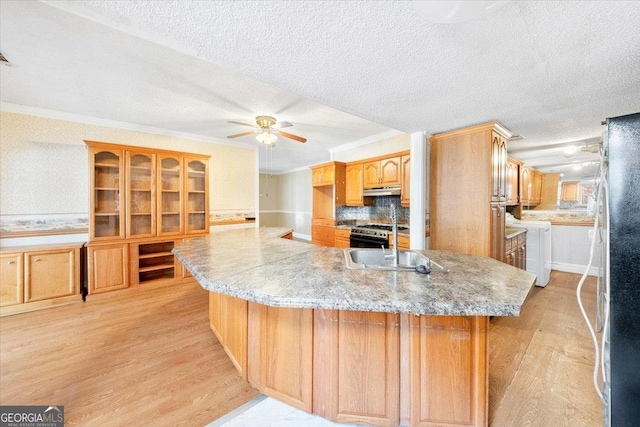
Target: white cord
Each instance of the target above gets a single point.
(601, 187)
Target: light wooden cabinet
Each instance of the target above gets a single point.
(141, 194)
(197, 195)
(342, 238)
(38, 277)
(569, 191)
(513, 181)
(383, 172)
(228, 321)
(404, 242)
(280, 364)
(170, 195)
(326, 195)
(107, 200)
(11, 279)
(467, 170)
(405, 188)
(322, 235)
(448, 365)
(107, 267)
(498, 167)
(531, 186)
(355, 185)
(323, 174)
(516, 251)
(356, 357)
(497, 231)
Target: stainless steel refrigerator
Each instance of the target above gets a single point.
(622, 337)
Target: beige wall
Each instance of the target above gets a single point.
(44, 165)
(380, 148)
(285, 201)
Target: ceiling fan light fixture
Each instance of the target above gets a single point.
(570, 151)
(267, 138)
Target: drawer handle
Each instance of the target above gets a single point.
(11, 262)
(36, 260)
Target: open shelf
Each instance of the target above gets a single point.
(155, 267)
(155, 261)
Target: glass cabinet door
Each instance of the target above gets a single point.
(141, 221)
(170, 186)
(107, 202)
(197, 204)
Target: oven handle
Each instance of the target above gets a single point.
(376, 242)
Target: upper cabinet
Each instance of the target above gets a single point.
(197, 210)
(513, 181)
(141, 191)
(170, 190)
(145, 193)
(405, 190)
(107, 199)
(323, 175)
(355, 179)
(383, 172)
(531, 186)
(498, 167)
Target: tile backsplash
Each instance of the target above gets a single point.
(380, 211)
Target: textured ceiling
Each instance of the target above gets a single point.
(550, 71)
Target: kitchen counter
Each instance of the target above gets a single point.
(255, 265)
(511, 232)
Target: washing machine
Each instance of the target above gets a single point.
(538, 247)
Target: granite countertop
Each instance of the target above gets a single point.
(511, 232)
(254, 264)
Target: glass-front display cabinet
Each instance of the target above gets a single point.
(141, 203)
(170, 202)
(197, 202)
(107, 201)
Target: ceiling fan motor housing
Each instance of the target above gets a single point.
(265, 121)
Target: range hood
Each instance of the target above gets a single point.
(382, 191)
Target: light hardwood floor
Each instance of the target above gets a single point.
(132, 359)
(149, 358)
(541, 363)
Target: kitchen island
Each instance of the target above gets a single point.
(357, 346)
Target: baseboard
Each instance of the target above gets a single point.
(301, 236)
(573, 268)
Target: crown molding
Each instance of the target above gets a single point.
(89, 120)
(365, 141)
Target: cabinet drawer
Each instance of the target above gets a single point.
(342, 233)
(322, 235)
(323, 222)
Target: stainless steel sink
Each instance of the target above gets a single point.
(376, 259)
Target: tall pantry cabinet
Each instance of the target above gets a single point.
(469, 190)
(143, 201)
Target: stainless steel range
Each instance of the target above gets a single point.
(372, 235)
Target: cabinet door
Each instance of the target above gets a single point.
(316, 176)
(497, 232)
(11, 279)
(390, 171)
(355, 179)
(371, 174)
(537, 187)
(512, 183)
(108, 268)
(51, 274)
(526, 186)
(197, 195)
(170, 194)
(107, 202)
(141, 194)
(498, 167)
(405, 191)
(328, 175)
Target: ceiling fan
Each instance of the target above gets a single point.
(267, 130)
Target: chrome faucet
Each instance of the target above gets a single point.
(394, 230)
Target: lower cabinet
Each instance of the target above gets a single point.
(281, 353)
(39, 277)
(228, 321)
(322, 235)
(516, 251)
(356, 376)
(108, 267)
(404, 242)
(342, 236)
(371, 368)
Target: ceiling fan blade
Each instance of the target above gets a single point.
(281, 125)
(292, 136)
(237, 135)
(240, 123)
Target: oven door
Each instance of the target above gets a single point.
(367, 242)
